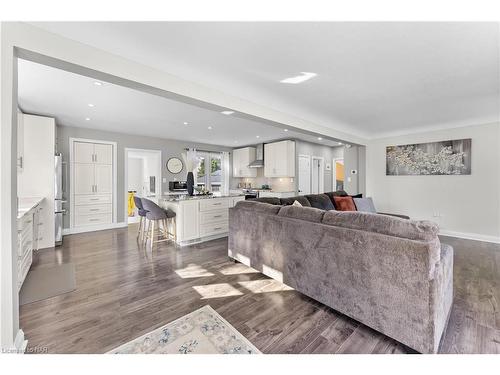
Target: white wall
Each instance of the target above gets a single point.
(468, 205)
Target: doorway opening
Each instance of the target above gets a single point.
(317, 175)
(338, 174)
(142, 178)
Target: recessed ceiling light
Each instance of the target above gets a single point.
(320, 139)
(209, 128)
(257, 136)
(87, 118)
(90, 105)
(227, 112)
(285, 130)
(340, 143)
(235, 141)
(97, 83)
(304, 76)
(185, 123)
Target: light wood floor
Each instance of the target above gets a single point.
(124, 292)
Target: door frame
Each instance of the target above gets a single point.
(159, 182)
(72, 140)
(298, 172)
(334, 173)
(321, 173)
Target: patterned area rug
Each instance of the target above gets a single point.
(203, 331)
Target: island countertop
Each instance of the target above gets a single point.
(184, 197)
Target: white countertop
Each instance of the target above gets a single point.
(26, 204)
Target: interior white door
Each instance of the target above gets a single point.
(84, 178)
(304, 174)
(83, 152)
(103, 153)
(104, 178)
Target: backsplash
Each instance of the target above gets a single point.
(277, 184)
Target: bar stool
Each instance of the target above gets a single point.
(158, 219)
(142, 218)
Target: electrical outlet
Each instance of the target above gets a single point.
(164, 180)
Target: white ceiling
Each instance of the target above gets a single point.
(373, 78)
(66, 96)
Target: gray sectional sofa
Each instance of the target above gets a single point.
(388, 273)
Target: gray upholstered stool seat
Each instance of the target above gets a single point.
(156, 214)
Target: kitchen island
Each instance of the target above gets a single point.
(200, 218)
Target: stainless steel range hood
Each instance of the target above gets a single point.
(259, 157)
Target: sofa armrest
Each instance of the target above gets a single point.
(395, 215)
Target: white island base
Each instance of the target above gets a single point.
(200, 219)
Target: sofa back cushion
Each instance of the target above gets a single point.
(270, 200)
(344, 203)
(364, 205)
(314, 215)
(321, 201)
(252, 205)
(301, 199)
(383, 224)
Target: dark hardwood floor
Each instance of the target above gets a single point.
(124, 291)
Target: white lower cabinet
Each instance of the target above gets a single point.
(27, 240)
(199, 220)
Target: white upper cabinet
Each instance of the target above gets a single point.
(98, 153)
(241, 158)
(103, 153)
(103, 179)
(84, 152)
(20, 141)
(84, 179)
(279, 159)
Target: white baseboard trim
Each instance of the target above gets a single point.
(93, 228)
(470, 236)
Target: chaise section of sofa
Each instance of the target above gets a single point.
(390, 274)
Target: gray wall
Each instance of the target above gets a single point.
(355, 159)
(313, 149)
(168, 147)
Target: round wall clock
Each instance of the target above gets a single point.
(174, 165)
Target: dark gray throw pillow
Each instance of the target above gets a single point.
(321, 201)
(364, 204)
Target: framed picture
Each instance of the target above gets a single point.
(435, 158)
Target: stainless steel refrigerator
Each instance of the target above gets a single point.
(59, 211)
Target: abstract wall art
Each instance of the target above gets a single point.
(435, 158)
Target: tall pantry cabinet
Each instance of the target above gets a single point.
(92, 168)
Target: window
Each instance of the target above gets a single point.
(209, 173)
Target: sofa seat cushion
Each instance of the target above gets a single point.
(270, 200)
(321, 201)
(344, 204)
(252, 205)
(314, 215)
(301, 199)
(364, 205)
(393, 226)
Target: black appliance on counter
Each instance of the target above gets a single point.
(178, 186)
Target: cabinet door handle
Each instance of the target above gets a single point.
(94, 209)
(94, 199)
(93, 219)
(218, 228)
(216, 216)
(217, 204)
(95, 158)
